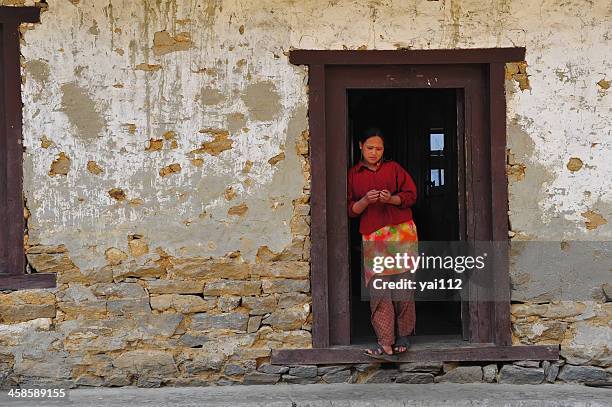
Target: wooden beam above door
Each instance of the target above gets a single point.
(410, 56)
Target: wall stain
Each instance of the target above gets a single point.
(81, 111)
(39, 70)
(211, 97)
(262, 100)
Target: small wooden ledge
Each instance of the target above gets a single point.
(473, 353)
(27, 281)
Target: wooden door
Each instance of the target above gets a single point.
(470, 80)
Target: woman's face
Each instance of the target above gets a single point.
(372, 149)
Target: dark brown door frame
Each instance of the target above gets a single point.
(486, 178)
(12, 256)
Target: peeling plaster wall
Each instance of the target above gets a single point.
(103, 78)
(100, 84)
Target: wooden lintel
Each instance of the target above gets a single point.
(408, 56)
(19, 14)
(354, 354)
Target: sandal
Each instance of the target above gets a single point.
(402, 341)
(377, 352)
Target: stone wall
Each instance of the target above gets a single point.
(167, 183)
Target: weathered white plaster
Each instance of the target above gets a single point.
(563, 113)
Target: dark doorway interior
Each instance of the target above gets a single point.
(420, 127)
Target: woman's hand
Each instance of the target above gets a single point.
(361, 205)
(386, 197)
(372, 196)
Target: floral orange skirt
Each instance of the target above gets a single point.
(388, 241)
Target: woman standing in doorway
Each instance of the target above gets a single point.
(381, 193)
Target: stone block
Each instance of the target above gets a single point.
(294, 251)
(540, 330)
(20, 306)
(202, 360)
(254, 324)
(415, 378)
(53, 367)
(303, 371)
(259, 305)
(117, 379)
(230, 320)
(174, 287)
(323, 370)
(282, 269)
(51, 262)
(273, 369)
(233, 370)
(228, 303)
(342, 376)
(288, 318)
(300, 225)
(286, 339)
(582, 374)
(15, 334)
(147, 363)
(25, 312)
(84, 309)
(232, 287)
(148, 381)
(285, 286)
(261, 378)
(591, 343)
(133, 269)
(89, 380)
(113, 291)
(184, 304)
(193, 340)
(551, 370)
(512, 374)
(300, 380)
(156, 325)
(131, 306)
(489, 373)
(423, 367)
(287, 300)
(90, 342)
(462, 374)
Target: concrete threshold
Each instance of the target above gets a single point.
(332, 395)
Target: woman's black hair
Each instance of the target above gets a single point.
(371, 132)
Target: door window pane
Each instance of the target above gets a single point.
(436, 142)
(437, 177)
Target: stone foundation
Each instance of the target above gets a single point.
(215, 322)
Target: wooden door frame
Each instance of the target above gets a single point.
(12, 268)
(491, 320)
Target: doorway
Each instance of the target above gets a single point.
(420, 128)
(477, 77)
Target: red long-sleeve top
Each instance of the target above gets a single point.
(390, 176)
